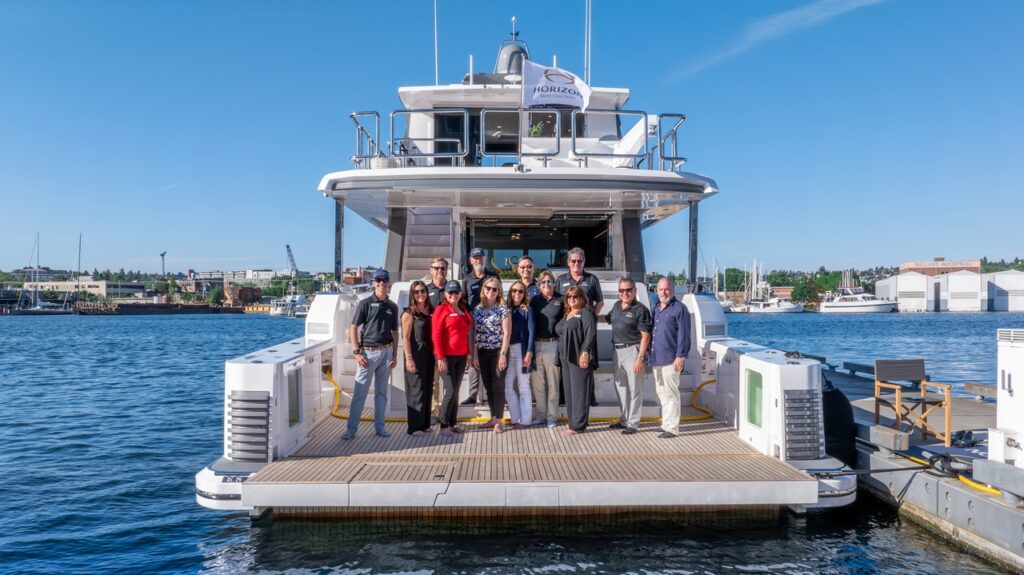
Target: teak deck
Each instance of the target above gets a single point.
(538, 467)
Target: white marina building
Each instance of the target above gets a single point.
(963, 291)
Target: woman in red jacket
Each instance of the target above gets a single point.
(450, 327)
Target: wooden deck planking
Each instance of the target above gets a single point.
(705, 451)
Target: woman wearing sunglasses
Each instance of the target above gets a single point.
(419, 358)
(520, 361)
(577, 355)
(450, 326)
(493, 329)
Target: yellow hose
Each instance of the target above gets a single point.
(971, 482)
(979, 486)
(693, 402)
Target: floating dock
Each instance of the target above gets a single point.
(970, 514)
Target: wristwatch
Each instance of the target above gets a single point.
(357, 351)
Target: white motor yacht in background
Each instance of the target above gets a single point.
(851, 298)
(762, 300)
(471, 165)
(292, 305)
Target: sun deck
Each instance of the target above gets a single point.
(707, 465)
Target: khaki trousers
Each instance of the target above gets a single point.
(666, 383)
(545, 381)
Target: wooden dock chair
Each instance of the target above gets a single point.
(912, 403)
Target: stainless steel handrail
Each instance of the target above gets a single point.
(366, 144)
(674, 159)
(636, 156)
(463, 144)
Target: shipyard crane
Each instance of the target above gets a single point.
(291, 261)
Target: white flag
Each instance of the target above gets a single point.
(553, 86)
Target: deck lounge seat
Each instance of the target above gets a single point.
(912, 403)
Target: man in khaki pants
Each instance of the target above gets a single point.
(670, 342)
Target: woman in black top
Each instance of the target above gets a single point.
(577, 356)
(419, 358)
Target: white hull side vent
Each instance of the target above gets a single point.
(1011, 335)
(249, 426)
(805, 428)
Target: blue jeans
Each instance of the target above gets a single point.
(379, 371)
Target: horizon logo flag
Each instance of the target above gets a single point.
(544, 86)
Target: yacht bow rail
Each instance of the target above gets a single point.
(481, 136)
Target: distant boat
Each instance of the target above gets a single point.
(292, 305)
(762, 301)
(850, 298)
(34, 305)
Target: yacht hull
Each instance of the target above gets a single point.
(858, 307)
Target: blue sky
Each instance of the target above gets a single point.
(843, 133)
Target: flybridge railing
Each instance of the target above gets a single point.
(505, 132)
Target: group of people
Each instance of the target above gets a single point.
(534, 347)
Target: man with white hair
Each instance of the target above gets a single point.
(670, 342)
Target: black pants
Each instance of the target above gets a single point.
(579, 385)
(452, 380)
(419, 388)
(492, 380)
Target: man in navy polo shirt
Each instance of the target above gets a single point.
(670, 342)
(374, 337)
(631, 336)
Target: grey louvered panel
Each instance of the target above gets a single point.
(805, 426)
(248, 426)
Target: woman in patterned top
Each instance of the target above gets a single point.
(493, 329)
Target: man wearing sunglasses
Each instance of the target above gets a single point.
(374, 337)
(631, 337)
(471, 285)
(436, 280)
(586, 281)
(526, 267)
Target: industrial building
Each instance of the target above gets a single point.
(101, 288)
(1006, 290)
(961, 290)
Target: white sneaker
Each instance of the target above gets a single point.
(552, 424)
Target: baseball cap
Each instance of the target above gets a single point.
(453, 286)
(381, 275)
(476, 253)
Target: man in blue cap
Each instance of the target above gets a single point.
(374, 337)
(471, 283)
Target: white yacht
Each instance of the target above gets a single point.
(850, 298)
(467, 165)
(774, 305)
(762, 300)
(291, 305)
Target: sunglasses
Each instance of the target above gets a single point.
(575, 261)
(526, 267)
(380, 281)
(517, 291)
(627, 290)
(572, 297)
(438, 268)
(491, 289)
(546, 283)
(419, 291)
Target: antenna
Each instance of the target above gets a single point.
(436, 82)
(515, 35)
(587, 39)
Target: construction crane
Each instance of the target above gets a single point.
(291, 261)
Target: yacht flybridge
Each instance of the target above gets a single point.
(466, 166)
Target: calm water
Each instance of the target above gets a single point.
(107, 419)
